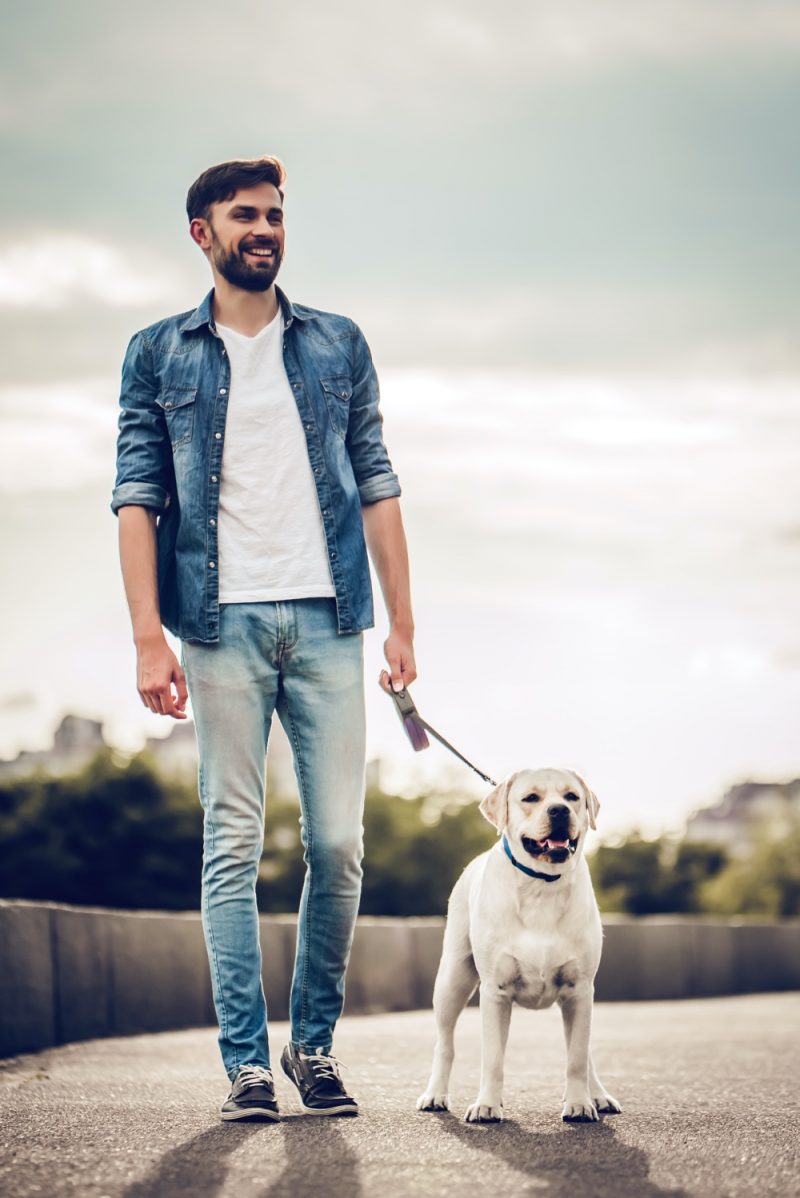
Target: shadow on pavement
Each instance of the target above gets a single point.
(573, 1161)
(198, 1167)
(319, 1162)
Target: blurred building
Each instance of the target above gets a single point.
(77, 739)
(75, 742)
(747, 813)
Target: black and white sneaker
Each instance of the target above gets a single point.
(252, 1095)
(318, 1081)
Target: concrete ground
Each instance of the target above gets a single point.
(709, 1090)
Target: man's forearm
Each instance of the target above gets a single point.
(137, 552)
(386, 541)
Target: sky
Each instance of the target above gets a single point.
(570, 234)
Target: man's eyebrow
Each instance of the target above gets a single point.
(248, 210)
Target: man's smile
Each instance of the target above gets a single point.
(260, 251)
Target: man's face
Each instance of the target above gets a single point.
(244, 237)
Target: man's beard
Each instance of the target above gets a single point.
(235, 268)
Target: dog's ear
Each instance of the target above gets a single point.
(592, 801)
(495, 806)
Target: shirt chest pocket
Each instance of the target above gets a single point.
(178, 405)
(337, 393)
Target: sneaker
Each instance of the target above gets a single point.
(319, 1082)
(252, 1095)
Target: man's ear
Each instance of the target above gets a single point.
(199, 233)
(592, 801)
(495, 806)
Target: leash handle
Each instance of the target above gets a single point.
(416, 727)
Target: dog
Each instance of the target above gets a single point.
(523, 923)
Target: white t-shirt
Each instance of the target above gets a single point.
(271, 539)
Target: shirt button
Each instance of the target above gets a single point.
(168, 404)
(214, 478)
(308, 426)
(333, 556)
(218, 436)
(223, 390)
(296, 386)
(211, 564)
(212, 521)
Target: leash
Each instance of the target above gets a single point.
(415, 728)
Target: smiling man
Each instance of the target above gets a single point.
(251, 477)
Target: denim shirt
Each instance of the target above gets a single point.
(175, 385)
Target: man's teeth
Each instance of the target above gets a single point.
(261, 253)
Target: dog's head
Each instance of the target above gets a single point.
(544, 813)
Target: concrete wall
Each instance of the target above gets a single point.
(75, 973)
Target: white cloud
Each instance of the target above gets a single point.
(56, 268)
(58, 437)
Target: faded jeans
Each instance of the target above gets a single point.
(287, 656)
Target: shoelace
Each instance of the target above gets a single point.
(323, 1065)
(253, 1075)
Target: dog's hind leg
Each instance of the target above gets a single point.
(456, 981)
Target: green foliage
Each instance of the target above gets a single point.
(114, 835)
(765, 883)
(121, 835)
(652, 877)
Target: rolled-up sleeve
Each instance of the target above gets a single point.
(144, 454)
(371, 466)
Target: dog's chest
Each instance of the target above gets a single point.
(534, 973)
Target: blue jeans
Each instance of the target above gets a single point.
(287, 656)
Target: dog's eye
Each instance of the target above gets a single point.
(573, 798)
(532, 799)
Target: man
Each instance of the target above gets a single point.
(250, 469)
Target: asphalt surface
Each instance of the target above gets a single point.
(709, 1090)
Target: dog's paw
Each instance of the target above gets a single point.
(580, 1112)
(433, 1102)
(480, 1113)
(607, 1105)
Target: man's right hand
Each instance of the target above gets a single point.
(158, 671)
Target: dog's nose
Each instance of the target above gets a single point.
(558, 814)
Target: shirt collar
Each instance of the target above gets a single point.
(202, 315)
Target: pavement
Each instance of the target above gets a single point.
(709, 1090)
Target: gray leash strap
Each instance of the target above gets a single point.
(416, 727)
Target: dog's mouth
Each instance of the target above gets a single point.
(551, 848)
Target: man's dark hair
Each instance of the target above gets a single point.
(223, 181)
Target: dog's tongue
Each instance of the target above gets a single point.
(555, 844)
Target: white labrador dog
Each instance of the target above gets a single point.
(523, 923)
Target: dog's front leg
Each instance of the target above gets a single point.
(495, 1018)
(576, 1010)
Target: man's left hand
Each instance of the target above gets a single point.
(398, 649)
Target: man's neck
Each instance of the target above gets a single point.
(246, 312)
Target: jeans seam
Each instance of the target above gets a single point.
(309, 838)
(212, 943)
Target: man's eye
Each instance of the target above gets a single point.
(573, 798)
(531, 799)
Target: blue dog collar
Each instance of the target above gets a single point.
(532, 873)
